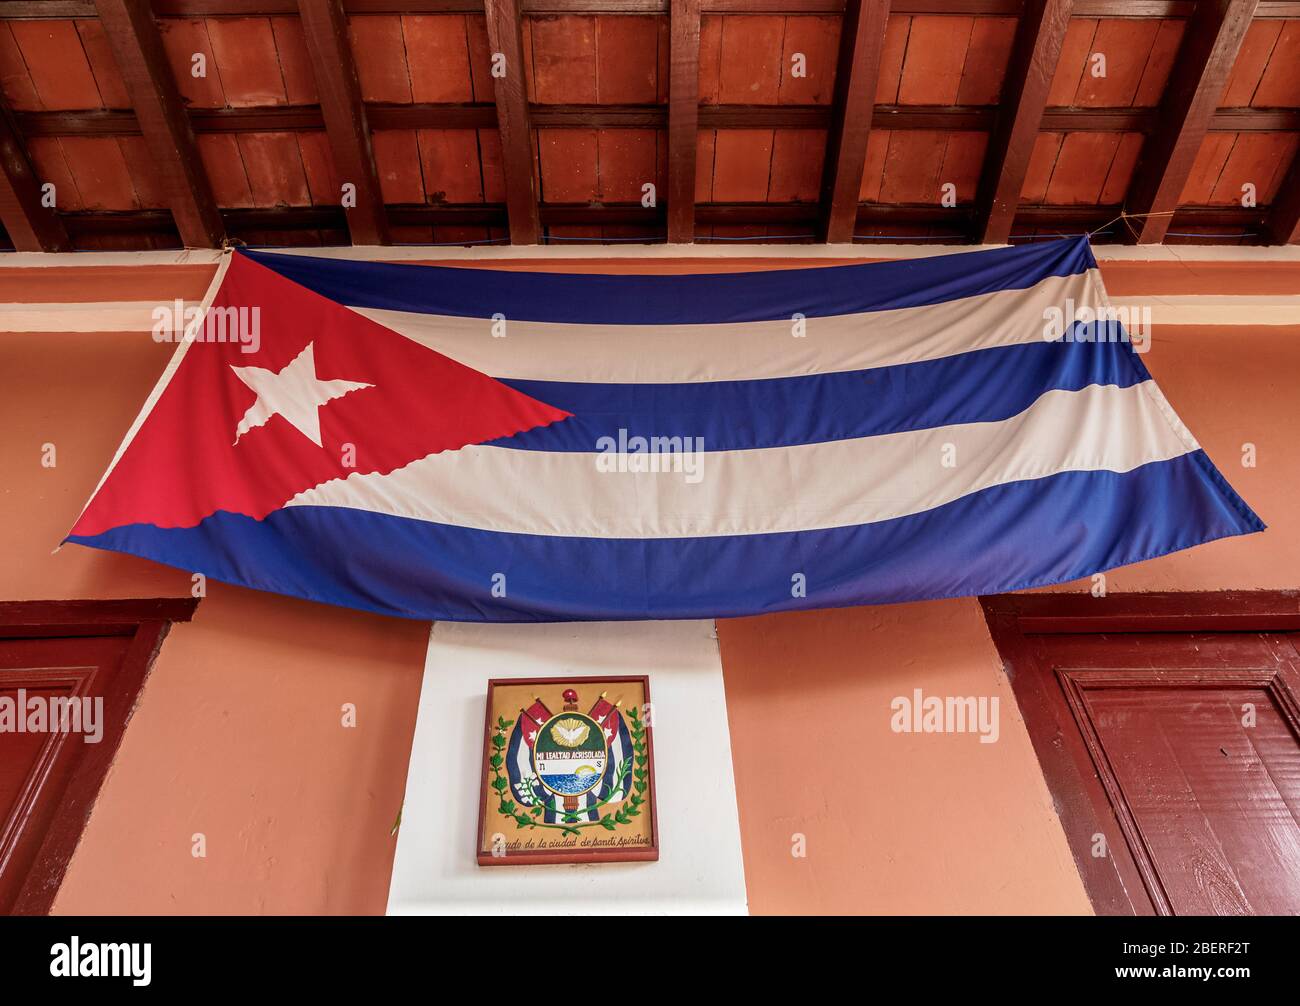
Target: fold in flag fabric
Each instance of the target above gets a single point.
(483, 445)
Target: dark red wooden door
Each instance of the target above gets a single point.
(1174, 758)
(36, 764)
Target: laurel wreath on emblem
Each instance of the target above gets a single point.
(634, 769)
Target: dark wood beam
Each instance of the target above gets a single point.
(138, 50)
(505, 41)
(862, 37)
(326, 28)
(326, 224)
(683, 118)
(1283, 224)
(944, 118)
(1034, 55)
(1210, 44)
(1180, 9)
(31, 226)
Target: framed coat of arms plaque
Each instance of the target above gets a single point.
(568, 772)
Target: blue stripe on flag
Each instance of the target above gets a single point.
(980, 387)
(682, 299)
(1009, 537)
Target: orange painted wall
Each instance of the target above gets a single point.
(237, 734)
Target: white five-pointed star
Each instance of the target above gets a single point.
(294, 393)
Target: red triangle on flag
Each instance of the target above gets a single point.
(327, 393)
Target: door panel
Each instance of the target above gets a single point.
(1173, 757)
(36, 764)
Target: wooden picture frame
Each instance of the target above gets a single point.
(559, 817)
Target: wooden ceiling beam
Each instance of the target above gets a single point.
(1034, 55)
(30, 225)
(944, 118)
(326, 29)
(505, 40)
(1133, 9)
(862, 37)
(138, 50)
(1214, 35)
(683, 118)
(1283, 224)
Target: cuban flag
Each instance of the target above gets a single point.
(483, 445)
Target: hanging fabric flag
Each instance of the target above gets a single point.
(485, 445)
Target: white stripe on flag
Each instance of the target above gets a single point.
(752, 350)
(778, 489)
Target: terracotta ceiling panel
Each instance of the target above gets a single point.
(912, 166)
(143, 170)
(1206, 169)
(1164, 50)
(1073, 62)
(274, 167)
(15, 81)
(437, 52)
(183, 39)
(51, 165)
(991, 39)
(1121, 169)
(1280, 85)
(1041, 163)
(397, 159)
(705, 150)
(873, 169)
(380, 52)
(564, 59)
(494, 180)
(1081, 169)
(480, 57)
(1126, 47)
(224, 165)
(569, 165)
(295, 61)
(323, 182)
(247, 60)
(628, 160)
(1258, 159)
(710, 58)
(750, 63)
(627, 68)
(663, 71)
(742, 161)
(936, 56)
(108, 79)
(797, 156)
(818, 40)
(963, 159)
(1252, 58)
(100, 172)
(57, 63)
(891, 59)
(449, 161)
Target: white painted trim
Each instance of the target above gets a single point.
(700, 868)
(711, 250)
(1216, 310)
(70, 316)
